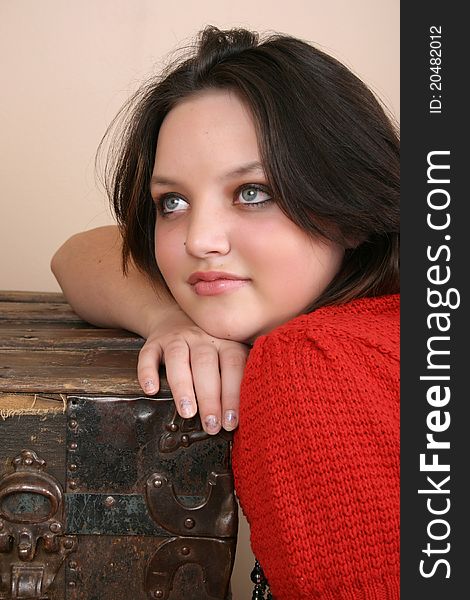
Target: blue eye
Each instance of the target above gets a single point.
(171, 204)
(253, 195)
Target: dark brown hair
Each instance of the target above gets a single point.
(329, 151)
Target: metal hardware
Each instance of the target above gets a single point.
(118, 443)
(181, 433)
(101, 514)
(31, 511)
(29, 478)
(216, 516)
(215, 557)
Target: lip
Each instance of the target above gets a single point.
(213, 276)
(213, 283)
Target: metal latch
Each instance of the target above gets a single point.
(182, 433)
(207, 534)
(32, 547)
(216, 516)
(215, 557)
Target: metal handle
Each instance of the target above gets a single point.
(27, 483)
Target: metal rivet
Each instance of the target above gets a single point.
(173, 427)
(72, 485)
(157, 482)
(68, 543)
(189, 523)
(28, 461)
(158, 594)
(185, 550)
(73, 446)
(73, 565)
(72, 584)
(55, 527)
(73, 467)
(73, 424)
(185, 440)
(109, 502)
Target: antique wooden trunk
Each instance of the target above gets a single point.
(104, 493)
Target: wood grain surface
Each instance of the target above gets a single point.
(46, 348)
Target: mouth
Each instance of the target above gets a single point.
(213, 283)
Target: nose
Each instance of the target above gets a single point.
(208, 232)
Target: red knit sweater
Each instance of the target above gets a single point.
(316, 456)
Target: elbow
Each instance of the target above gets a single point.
(59, 260)
(66, 261)
(56, 263)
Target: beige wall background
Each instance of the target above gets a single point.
(67, 67)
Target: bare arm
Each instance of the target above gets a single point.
(88, 269)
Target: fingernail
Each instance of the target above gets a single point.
(230, 420)
(212, 424)
(186, 408)
(149, 387)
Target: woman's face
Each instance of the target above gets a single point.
(234, 262)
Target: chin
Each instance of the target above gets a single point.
(225, 333)
(228, 329)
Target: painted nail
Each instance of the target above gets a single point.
(186, 408)
(230, 420)
(149, 387)
(212, 424)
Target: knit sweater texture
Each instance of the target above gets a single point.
(316, 455)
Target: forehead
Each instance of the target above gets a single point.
(213, 124)
(210, 107)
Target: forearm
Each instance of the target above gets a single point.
(88, 268)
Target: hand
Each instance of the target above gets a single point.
(197, 365)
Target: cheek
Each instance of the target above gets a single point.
(168, 252)
(290, 264)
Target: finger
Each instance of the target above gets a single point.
(206, 377)
(179, 377)
(150, 357)
(232, 360)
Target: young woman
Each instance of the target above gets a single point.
(256, 190)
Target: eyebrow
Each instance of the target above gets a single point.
(238, 172)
